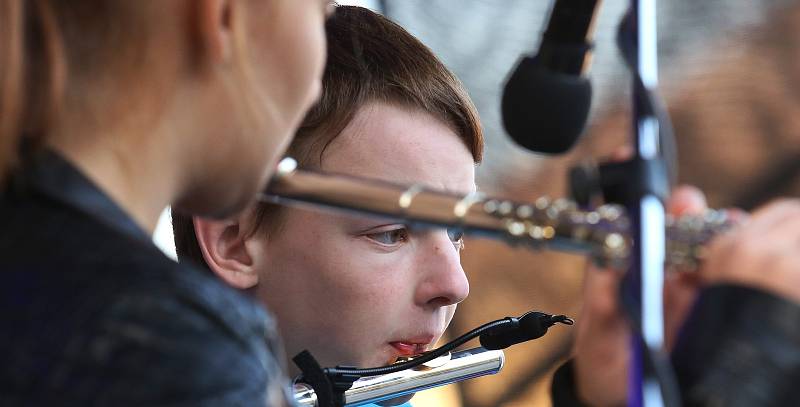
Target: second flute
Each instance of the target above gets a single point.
(602, 232)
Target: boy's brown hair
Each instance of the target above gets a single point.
(370, 59)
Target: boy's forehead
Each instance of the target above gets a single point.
(402, 145)
(387, 130)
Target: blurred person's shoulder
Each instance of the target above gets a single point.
(88, 309)
(73, 256)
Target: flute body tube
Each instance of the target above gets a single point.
(603, 232)
(451, 368)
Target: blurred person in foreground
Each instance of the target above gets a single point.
(111, 110)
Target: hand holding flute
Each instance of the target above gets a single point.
(737, 304)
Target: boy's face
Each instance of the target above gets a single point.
(363, 291)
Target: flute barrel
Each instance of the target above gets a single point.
(451, 368)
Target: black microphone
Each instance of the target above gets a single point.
(546, 100)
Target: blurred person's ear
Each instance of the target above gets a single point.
(226, 250)
(214, 29)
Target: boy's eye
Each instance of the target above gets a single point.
(457, 237)
(390, 237)
(455, 234)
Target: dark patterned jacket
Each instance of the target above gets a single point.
(740, 347)
(93, 314)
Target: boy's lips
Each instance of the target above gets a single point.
(411, 347)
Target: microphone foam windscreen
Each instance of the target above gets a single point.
(545, 111)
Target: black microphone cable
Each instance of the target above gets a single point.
(494, 335)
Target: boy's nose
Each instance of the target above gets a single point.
(443, 281)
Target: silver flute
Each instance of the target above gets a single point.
(447, 369)
(602, 232)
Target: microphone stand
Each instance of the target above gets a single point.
(645, 278)
(643, 196)
(642, 185)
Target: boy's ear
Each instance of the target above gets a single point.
(226, 252)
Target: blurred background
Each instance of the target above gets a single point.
(730, 75)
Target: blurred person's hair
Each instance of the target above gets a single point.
(370, 59)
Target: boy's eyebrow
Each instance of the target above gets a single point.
(472, 191)
(450, 191)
